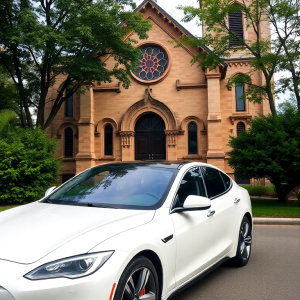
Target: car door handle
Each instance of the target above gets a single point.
(237, 200)
(211, 213)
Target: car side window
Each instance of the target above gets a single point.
(191, 184)
(227, 180)
(213, 181)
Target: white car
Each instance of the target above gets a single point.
(124, 231)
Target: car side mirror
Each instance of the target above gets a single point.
(50, 190)
(194, 203)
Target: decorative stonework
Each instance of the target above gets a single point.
(238, 63)
(146, 105)
(65, 125)
(172, 137)
(240, 117)
(101, 124)
(126, 138)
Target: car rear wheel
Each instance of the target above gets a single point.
(139, 281)
(245, 243)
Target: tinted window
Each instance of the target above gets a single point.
(227, 180)
(191, 184)
(239, 97)
(68, 142)
(192, 133)
(122, 186)
(213, 181)
(69, 105)
(108, 140)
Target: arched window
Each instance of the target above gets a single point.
(108, 140)
(240, 127)
(192, 136)
(69, 105)
(239, 97)
(69, 142)
(236, 26)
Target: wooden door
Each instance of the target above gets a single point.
(150, 138)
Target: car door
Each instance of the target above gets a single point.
(226, 207)
(194, 230)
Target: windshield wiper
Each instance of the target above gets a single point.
(100, 205)
(47, 201)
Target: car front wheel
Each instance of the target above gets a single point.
(139, 281)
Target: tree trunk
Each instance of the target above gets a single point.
(282, 194)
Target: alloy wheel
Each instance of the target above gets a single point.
(245, 240)
(140, 286)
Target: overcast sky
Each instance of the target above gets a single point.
(170, 7)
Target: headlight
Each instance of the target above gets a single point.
(72, 267)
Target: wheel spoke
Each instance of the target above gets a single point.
(143, 279)
(245, 229)
(149, 296)
(242, 248)
(248, 240)
(245, 252)
(130, 289)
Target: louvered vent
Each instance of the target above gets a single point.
(68, 142)
(240, 127)
(236, 26)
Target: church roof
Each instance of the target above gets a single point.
(179, 26)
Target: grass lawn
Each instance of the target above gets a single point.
(2, 208)
(260, 208)
(272, 208)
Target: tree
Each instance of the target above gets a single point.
(282, 52)
(27, 165)
(41, 40)
(270, 148)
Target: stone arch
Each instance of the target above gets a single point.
(101, 124)
(190, 119)
(147, 105)
(63, 126)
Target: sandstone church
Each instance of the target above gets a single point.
(172, 111)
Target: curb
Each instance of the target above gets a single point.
(276, 221)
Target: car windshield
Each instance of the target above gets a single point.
(130, 186)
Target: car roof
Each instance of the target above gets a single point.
(168, 164)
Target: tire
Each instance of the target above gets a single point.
(139, 281)
(244, 247)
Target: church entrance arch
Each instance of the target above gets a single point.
(150, 138)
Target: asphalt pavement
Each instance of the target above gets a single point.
(273, 271)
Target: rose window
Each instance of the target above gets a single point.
(154, 63)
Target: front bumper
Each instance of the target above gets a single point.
(13, 286)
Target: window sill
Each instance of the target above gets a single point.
(107, 158)
(69, 159)
(69, 118)
(240, 116)
(192, 156)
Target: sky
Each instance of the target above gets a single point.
(170, 6)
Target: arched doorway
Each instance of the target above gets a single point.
(150, 138)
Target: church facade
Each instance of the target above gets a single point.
(172, 111)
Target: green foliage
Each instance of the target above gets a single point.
(26, 165)
(44, 40)
(270, 148)
(260, 190)
(6, 116)
(283, 53)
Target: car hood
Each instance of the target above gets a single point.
(30, 232)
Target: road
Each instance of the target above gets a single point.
(273, 271)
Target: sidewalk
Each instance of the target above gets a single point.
(276, 221)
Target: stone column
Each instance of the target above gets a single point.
(127, 143)
(171, 143)
(215, 153)
(86, 132)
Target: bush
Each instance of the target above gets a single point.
(260, 190)
(27, 166)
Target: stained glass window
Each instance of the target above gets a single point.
(154, 63)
